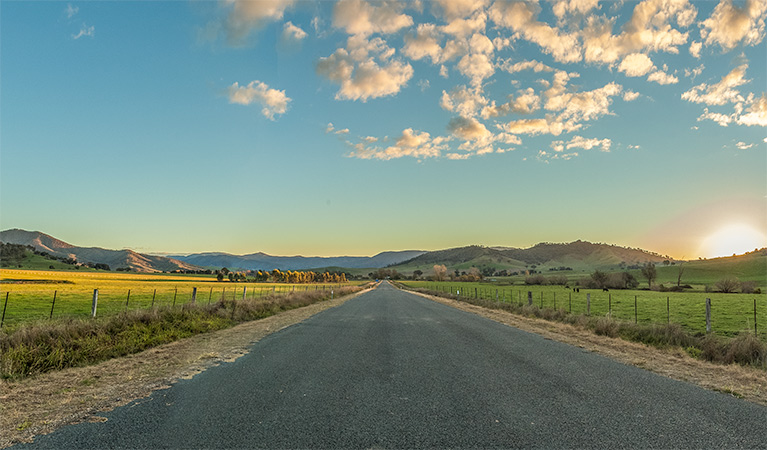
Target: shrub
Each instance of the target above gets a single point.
(745, 349)
(727, 285)
(606, 326)
(747, 287)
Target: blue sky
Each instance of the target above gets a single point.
(354, 127)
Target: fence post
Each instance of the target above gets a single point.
(555, 300)
(588, 304)
(475, 293)
(708, 315)
(755, 332)
(194, 295)
(175, 292)
(244, 290)
(668, 311)
(153, 296)
(95, 302)
(127, 300)
(541, 299)
(210, 295)
(53, 304)
(529, 298)
(496, 295)
(610, 305)
(5, 306)
(570, 301)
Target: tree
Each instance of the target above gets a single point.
(440, 272)
(727, 285)
(648, 271)
(679, 274)
(219, 276)
(599, 278)
(417, 273)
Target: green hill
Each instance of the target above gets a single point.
(749, 267)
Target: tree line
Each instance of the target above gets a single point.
(278, 276)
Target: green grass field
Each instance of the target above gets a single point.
(31, 293)
(730, 313)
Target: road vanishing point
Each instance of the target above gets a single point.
(390, 369)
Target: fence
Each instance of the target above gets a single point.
(35, 304)
(725, 314)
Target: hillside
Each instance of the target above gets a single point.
(113, 258)
(578, 255)
(262, 261)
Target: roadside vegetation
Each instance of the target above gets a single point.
(742, 347)
(36, 347)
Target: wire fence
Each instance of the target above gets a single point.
(38, 304)
(724, 314)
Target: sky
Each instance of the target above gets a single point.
(356, 127)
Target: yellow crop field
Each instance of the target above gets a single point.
(41, 294)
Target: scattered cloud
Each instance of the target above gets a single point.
(743, 146)
(662, 77)
(363, 18)
(365, 69)
(272, 100)
(85, 31)
(757, 113)
(695, 48)
(720, 93)
(636, 65)
(246, 16)
(411, 143)
(71, 11)
(694, 73)
(730, 25)
(630, 96)
(292, 33)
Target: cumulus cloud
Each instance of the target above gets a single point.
(743, 146)
(247, 15)
(588, 144)
(365, 69)
(477, 67)
(361, 17)
(648, 29)
(457, 9)
(730, 25)
(636, 65)
(533, 127)
(695, 48)
(630, 96)
(463, 100)
(720, 93)
(757, 113)
(411, 143)
(468, 129)
(662, 77)
(525, 102)
(292, 33)
(272, 100)
(522, 18)
(582, 106)
(561, 8)
(71, 11)
(535, 66)
(424, 43)
(694, 72)
(85, 31)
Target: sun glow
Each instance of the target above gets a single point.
(733, 239)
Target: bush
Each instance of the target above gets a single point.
(727, 285)
(747, 287)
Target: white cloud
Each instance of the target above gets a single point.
(425, 42)
(71, 10)
(662, 77)
(582, 106)
(588, 144)
(695, 48)
(363, 18)
(476, 67)
(411, 143)
(757, 113)
(563, 7)
(535, 66)
(743, 146)
(458, 9)
(521, 17)
(292, 33)
(468, 129)
(694, 72)
(462, 28)
(720, 93)
(730, 25)
(630, 96)
(526, 102)
(272, 100)
(464, 101)
(85, 31)
(533, 127)
(247, 15)
(362, 77)
(636, 65)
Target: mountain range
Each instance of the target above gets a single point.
(578, 255)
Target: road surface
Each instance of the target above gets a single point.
(389, 369)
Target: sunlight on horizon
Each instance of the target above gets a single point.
(733, 239)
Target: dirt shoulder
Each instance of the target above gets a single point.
(41, 404)
(744, 382)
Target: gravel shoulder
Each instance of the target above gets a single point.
(41, 404)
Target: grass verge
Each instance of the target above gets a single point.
(744, 349)
(41, 347)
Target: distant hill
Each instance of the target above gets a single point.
(578, 255)
(262, 261)
(113, 258)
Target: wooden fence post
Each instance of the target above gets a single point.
(570, 301)
(175, 292)
(529, 298)
(127, 300)
(588, 304)
(154, 294)
(755, 331)
(95, 302)
(708, 315)
(635, 309)
(4, 307)
(194, 295)
(668, 311)
(244, 290)
(53, 304)
(610, 305)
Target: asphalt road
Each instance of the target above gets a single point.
(393, 370)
